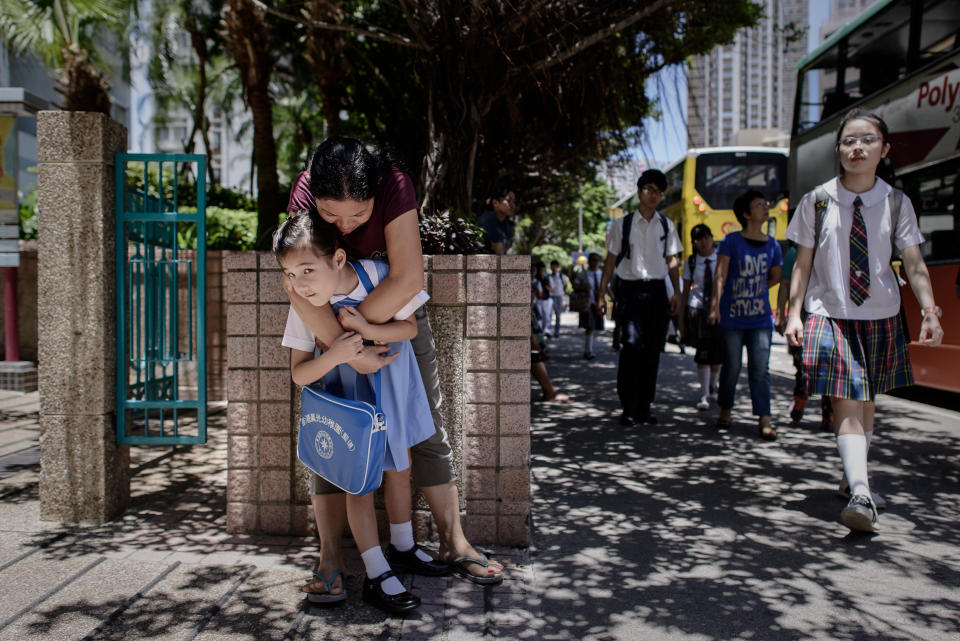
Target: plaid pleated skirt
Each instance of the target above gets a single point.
(855, 359)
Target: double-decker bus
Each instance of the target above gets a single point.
(900, 59)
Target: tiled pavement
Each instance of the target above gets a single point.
(167, 569)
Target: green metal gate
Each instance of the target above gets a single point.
(161, 301)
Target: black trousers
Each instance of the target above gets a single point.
(643, 313)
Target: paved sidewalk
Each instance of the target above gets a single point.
(670, 532)
(167, 569)
(677, 531)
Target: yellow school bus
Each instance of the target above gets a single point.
(702, 186)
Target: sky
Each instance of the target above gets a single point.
(667, 137)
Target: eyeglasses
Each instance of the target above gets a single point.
(865, 141)
(653, 191)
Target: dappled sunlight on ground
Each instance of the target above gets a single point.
(677, 530)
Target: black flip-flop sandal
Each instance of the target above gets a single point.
(460, 564)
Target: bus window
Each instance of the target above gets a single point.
(721, 177)
(940, 32)
(674, 185)
(876, 54)
(935, 193)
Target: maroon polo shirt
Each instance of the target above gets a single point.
(395, 196)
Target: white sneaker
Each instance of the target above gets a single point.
(843, 491)
(860, 514)
(703, 403)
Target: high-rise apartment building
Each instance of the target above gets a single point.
(841, 12)
(742, 93)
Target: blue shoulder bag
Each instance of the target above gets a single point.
(343, 440)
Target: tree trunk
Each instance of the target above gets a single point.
(269, 203)
(247, 37)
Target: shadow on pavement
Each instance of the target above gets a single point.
(678, 531)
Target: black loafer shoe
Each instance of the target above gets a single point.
(395, 604)
(626, 420)
(409, 562)
(649, 419)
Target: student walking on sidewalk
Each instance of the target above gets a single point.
(642, 249)
(748, 264)
(854, 342)
(695, 302)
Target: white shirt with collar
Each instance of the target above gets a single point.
(646, 261)
(828, 291)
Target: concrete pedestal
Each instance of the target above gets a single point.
(85, 475)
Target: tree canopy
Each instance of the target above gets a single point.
(531, 93)
(70, 36)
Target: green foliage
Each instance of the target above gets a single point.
(468, 93)
(28, 216)
(186, 187)
(554, 222)
(449, 233)
(66, 35)
(226, 229)
(548, 253)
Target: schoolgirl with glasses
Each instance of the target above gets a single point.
(854, 341)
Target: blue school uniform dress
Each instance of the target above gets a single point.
(402, 395)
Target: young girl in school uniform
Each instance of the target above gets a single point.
(312, 258)
(854, 344)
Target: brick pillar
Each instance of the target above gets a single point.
(497, 402)
(85, 475)
(216, 327)
(480, 315)
(261, 476)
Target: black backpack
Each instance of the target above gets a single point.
(625, 242)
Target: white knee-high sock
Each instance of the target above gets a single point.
(853, 453)
(714, 377)
(703, 373)
(375, 563)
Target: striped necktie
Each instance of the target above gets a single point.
(707, 280)
(859, 260)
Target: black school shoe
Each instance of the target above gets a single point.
(395, 604)
(410, 563)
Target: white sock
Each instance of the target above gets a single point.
(714, 377)
(588, 344)
(853, 453)
(401, 537)
(703, 373)
(376, 564)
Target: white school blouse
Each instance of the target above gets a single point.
(828, 291)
